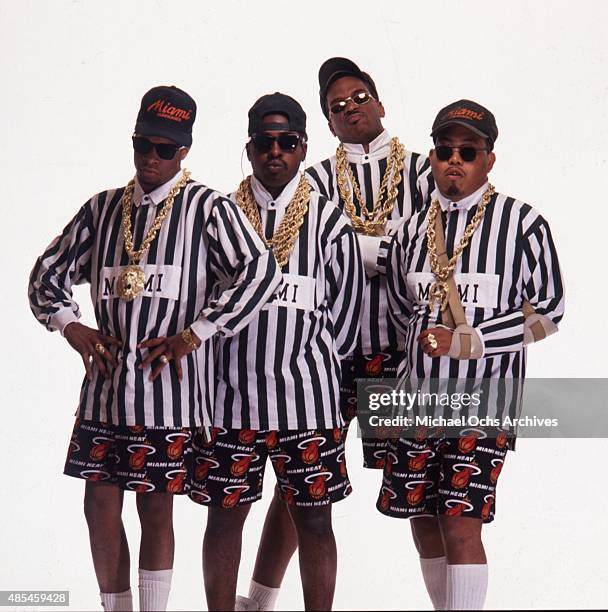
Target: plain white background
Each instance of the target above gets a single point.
(72, 76)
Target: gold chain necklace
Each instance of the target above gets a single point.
(284, 238)
(439, 291)
(370, 223)
(132, 279)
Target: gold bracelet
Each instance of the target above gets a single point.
(188, 338)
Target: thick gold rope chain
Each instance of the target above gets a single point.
(284, 239)
(127, 205)
(439, 289)
(370, 223)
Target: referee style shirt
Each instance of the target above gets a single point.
(206, 269)
(282, 371)
(378, 333)
(510, 258)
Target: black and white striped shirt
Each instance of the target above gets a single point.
(206, 269)
(283, 371)
(378, 332)
(510, 258)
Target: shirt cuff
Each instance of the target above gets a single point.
(60, 320)
(204, 329)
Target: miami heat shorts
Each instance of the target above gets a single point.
(310, 467)
(449, 476)
(136, 458)
(356, 367)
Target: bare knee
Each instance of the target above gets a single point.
(427, 536)
(226, 522)
(312, 521)
(102, 502)
(461, 535)
(155, 510)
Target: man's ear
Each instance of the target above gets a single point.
(331, 127)
(183, 153)
(304, 151)
(247, 150)
(382, 112)
(491, 160)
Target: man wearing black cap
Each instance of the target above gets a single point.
(278, 381)
(471, 280)
(155, 253)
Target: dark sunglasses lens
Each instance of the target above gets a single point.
(338, 107)
(262, 143)
(468, 154)
(361, 98)
(443, 153)
(142, 145)
(288, 142)
(166, 151)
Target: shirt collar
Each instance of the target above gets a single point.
(379, 148)
(464, 204)
(156, 196)
(265, 200)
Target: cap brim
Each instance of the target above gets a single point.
(463, 124)
(145, 129)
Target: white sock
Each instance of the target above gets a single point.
(467, 586)
(244, 604)
(266, 597)
(434, 573)
(154, 587)
(117, 602)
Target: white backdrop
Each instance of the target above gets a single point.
(72, 76)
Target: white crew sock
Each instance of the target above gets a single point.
(265, 597)
(117, 602)
(434, 573)
(466, 586)
(244, 604)
(154, 587)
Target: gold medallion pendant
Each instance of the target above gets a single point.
(132, 279)
(131, 283)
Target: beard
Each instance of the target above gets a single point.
(453, 191)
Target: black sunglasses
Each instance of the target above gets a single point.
(164, 151)
(359, 99)
(467, 154)
(287, 142)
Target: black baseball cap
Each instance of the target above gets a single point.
(168, 112)
(469, 114)
(336, 67)
(277, 103)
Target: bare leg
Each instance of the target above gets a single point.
(109, 547)
(278, 543)
(427, 537)
(318, 556)
(222, 555)
(462, 540)
(157, 541)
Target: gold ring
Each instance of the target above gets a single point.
(432, 341)
(100, 348)
(164, 359)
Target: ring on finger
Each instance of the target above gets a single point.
(432, 341)
(164, 359)
(100, 348)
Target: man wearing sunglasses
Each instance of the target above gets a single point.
(278, 391)
(500, 259)
(378, 184)
(155, 254)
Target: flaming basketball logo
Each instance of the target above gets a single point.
(415, 493)
(316, 484)
(386, 495)
(272, 439)
(232, 498)
(417, 459)
(139, 452)
(176, 481)
(462, 476)
(455, 507)
(501, 439)
(279, 462)
(247, 436)
(374, 366)
(495, 473)
(100, 448)
(310, 449)
(241, 464)
(389, 459)
(488, 502)
(176, 447)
